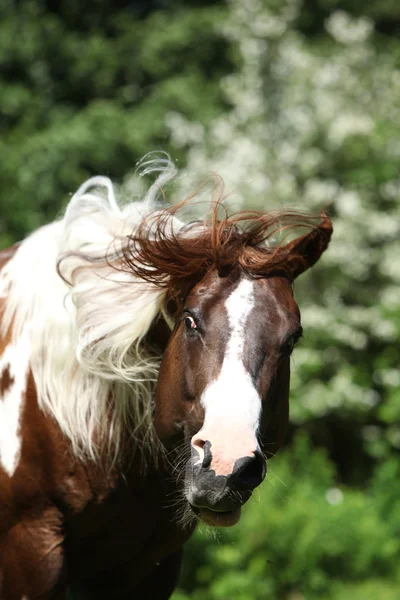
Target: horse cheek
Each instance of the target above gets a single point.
(275, 415)
(169, 402)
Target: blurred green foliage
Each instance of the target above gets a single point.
(292, 102)
(86, 91)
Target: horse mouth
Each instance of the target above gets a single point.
(216, 518)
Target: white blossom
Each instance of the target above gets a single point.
(334, 496)
(348, 30)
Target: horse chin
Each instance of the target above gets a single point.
(215, 518)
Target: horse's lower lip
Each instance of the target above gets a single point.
(218, 519)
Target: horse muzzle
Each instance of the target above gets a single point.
(217, 499)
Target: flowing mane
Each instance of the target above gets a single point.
(175, 259)
(100, 277)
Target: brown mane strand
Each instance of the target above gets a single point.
(176, 259)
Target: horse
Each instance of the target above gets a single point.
(144, 381)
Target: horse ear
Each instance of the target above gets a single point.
(304, 251)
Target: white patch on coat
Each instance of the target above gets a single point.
(15, 359)
(231, 402)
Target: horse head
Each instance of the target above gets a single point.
(223, 385)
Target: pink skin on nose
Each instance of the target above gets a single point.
(226, 449)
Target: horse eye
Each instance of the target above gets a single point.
(288, 348)
(290, 344)
(190, 323)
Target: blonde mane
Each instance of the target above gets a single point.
(86, 320)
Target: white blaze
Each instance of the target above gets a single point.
(15, 359)
(231, 402)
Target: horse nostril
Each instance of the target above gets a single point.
(248, 471)
(205, 448)
(207, 455)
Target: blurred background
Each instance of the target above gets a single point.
(292, 102)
